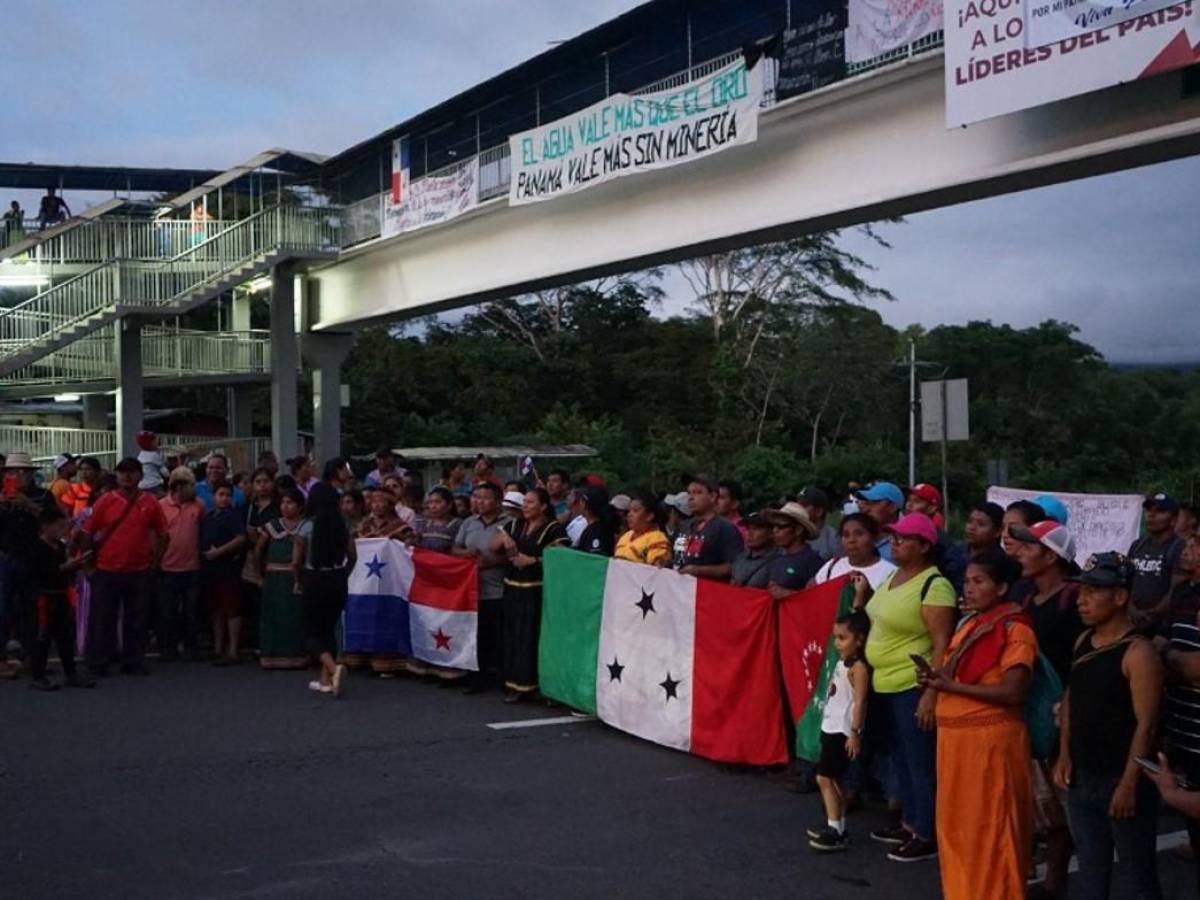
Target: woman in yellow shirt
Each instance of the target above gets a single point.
(645, 541)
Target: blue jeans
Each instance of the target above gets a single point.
(1096, 834)
(911, 768)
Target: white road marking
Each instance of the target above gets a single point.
(534, 723)
(1164, 842)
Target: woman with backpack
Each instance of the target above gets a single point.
(912, 613)
(985, 792)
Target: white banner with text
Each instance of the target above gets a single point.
(990, 71)
(1099, 522)
(1047, 21)
(876, 27)
(626, 134)
(433, 199)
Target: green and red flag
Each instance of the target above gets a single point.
(684, 662)
(807, 655)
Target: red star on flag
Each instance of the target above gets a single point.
(442, 639)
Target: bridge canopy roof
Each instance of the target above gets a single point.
(39, 176)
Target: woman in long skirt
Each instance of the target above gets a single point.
(984, 789)
(280, 634)
(523, 540)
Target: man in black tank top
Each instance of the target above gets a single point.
(1109, 714)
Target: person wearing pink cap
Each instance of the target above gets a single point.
(912, 613)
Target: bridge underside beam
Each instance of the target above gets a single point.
(866, 149)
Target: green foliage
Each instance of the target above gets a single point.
(820, 398)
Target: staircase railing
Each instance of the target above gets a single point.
(127, 282)
(166, 352)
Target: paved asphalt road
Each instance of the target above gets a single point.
(209, 783)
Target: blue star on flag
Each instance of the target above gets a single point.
(375, 567)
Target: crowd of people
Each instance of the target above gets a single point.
(995, 692)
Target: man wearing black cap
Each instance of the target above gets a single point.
(816, 503)
(1108, 716)
(1155, 559)
(752, 568)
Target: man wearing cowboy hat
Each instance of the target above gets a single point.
(797, 562)
(21, 467)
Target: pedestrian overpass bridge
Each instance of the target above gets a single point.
(872, 146)
(304, 233)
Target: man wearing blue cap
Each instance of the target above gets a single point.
(1053, 508)
(883, 502)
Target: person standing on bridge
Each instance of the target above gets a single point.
(14, 224)
(52, 210)
(127, 532)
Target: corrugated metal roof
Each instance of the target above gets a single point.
(39, 176)
(277, 159)
(542, 451)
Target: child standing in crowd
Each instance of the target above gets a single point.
(842, 723)
(1109, 714)
(222, 536)
(153, 470)
(51, 574)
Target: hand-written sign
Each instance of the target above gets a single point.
(628, 134)
(1047, 21)
(1099, 522)
(813, 55)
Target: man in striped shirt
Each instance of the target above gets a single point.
(1181, 658)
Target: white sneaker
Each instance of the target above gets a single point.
(320, 688)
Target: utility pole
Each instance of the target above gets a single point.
(912, 411)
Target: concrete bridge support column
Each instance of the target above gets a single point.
(325, 352)
(130, 396)
(285, 359)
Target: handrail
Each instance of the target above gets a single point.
(497, 184)
(139, 282)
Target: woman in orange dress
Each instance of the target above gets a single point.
(984, 790)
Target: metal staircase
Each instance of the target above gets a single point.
(124, 284)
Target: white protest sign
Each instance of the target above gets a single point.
(1047, 21)
(433, 199)
(990, 71)
(625, 134)
(875, 27)
(1099, 522)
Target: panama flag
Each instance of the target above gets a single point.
(683, 662)
(400, 165)
(412, 602)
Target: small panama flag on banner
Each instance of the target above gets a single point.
(683, 662)
(412, 602)
(526, 466)
(400, 168)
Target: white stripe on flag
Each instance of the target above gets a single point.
(384, 567)
(442, 637)
(644, 667)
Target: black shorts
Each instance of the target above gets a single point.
(833, 761)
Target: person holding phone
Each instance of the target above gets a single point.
(985, 786)
(1109, 715)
